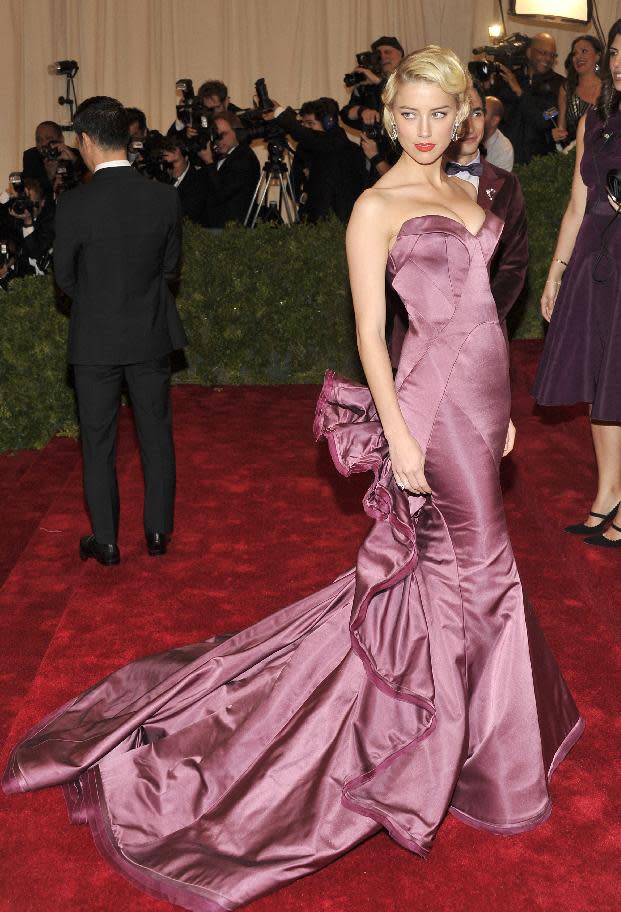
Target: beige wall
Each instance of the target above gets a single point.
(136, 49)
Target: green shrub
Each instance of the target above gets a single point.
(271, 305)
(546, 183)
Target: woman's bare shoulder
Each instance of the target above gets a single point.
(372, 207)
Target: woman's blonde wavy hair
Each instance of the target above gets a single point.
(434, 64)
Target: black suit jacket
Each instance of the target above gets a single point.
(118, 244)
(193, 192)
(500, 191)
(231, 187)
(33, 166)
(337, 168)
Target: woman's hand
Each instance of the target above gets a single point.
(548, 298)
(510, 441)
(408, 464)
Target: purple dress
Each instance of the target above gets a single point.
(215, 773)
(580, 361)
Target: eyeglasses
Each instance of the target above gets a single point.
(547, 55)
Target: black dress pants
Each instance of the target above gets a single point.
(98, 388)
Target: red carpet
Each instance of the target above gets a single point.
(254, 492)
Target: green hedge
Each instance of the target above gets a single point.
(271, 305)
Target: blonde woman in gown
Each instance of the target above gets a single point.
(418, 682)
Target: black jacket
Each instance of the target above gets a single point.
(524, 122)
(337, 168)
(33, 166)
(118, 244)
(194, 192)
(231, 187)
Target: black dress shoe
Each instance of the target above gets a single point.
(105, 554)
(583, 529)
(604, 542)
(157, 542)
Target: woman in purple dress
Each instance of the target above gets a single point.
(582, 301)
(214, 773)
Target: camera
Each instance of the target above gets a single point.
(255, 127)
(51, 151)
(510, 53)
(150, 159)
(21, 202)
(374, 131)
(65, 172)
(192, 113)
(370, 60)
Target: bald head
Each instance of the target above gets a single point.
(494, 112)
(541, 53)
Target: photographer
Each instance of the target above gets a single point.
(190, 182)
(530, 94)
(334, 166)
(30, 217)
(41, 161)
(364, 109)
(213, 98)
(231, 172)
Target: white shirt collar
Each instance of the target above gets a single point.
(115, 163)
(181, 176)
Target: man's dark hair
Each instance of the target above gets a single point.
(170, 143)
(213, 87)
(322, 109)
(478, 88)
(135, 115)
(105, 120)
(53, 126)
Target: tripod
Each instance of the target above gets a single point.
(275, 171)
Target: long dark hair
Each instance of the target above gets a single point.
(609, 97)
(572, 76)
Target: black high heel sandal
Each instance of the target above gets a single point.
(583, 529)
(604, 542)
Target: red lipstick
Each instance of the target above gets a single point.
(425, 147)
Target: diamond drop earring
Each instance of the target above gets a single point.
(393, 130)
(455, 132)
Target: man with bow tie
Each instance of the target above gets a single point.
(500, 191)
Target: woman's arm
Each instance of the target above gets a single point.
(560, 132)
(569, 230)
(367, 251)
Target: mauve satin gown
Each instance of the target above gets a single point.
(415, 684)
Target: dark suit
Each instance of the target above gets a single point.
(193, 193)
(33, 166)
(230, 187)
(118, 243)
(500, 191)
(337, 168)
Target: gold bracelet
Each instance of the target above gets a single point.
(556, 260)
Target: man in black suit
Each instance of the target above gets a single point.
(190, 182)
(336, 166)
(118, 242)
(232, 172)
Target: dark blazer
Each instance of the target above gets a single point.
(33, 166)
(337, 168)
(194, 192)
(500, 191)
(118, 244)
(231, 188)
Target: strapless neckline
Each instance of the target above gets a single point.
(442, 218)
